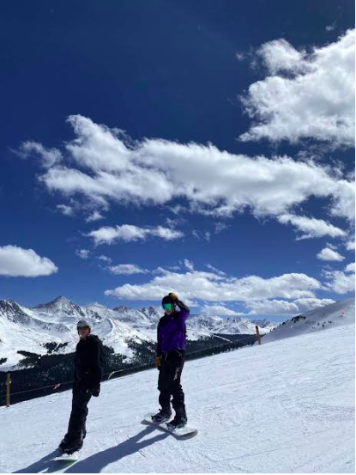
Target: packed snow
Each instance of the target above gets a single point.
(285, 406)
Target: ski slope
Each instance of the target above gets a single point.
(287, 406)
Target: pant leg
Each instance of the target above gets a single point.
(164, 386)
(169, 383)
(79, 412)
(176, 388)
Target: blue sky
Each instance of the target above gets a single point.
(202, 147)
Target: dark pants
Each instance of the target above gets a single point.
(78, 416)
(169, 383)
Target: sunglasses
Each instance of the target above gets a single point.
(168, 306)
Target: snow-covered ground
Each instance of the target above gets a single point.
(285, 406)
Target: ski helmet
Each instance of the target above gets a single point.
(168, 300)
(83, 324)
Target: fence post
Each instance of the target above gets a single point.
(258, 335)
(8, 382)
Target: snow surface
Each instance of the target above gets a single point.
(285, 406)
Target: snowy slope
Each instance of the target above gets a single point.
(336, 314)
(287, 406)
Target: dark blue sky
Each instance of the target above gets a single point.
(156, 69)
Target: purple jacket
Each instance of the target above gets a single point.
(171, 330)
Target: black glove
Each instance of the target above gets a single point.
(158, 362)
(95, 391)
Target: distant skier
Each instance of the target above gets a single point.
(88, 370)
(171, 343)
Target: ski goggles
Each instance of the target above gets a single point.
(168, 306)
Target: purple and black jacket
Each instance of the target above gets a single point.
(171, 330)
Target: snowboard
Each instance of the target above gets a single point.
(66, 459)
(182, 433)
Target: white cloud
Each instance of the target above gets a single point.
(341, 282)
(82, 253)
(105, 259)
(216, 288)
(94, 216)
(127, 269)
(311, 227)
(350, 267)
(314, 99)
(280, 56)
(213, 182)
(214, 269)
(283, 307)
(240, 56)
(18, 262)
(48, 156)
(350, 245)
(328, 254)
(218, 310)
(330, 27)
(189, 265)
(130, 233)
(66, 210)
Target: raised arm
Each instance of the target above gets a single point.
(184, 310)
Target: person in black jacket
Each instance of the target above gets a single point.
(88, 370)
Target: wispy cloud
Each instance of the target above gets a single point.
(83, 253)
(94, 216)
(341, 282)
(127, 269)
(130, 233)
(66, 210)
(211, 287)
(215, 183)
(105, 259)
(311, 227)
(285, 307)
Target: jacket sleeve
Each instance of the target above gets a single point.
(97, 365)
(159, 350)
(183, 314)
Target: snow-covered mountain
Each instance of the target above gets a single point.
(64, 310)
(228, 325)
(31, 329)
(146, 320)
(283, 407)
(333, 315)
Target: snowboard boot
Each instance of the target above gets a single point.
(162, 416)
(177, 423)
(72, 447)
(64, 444)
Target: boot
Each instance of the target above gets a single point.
(162, 416)
(177, 423)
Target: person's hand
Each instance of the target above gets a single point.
(95, 391)
(173, 296)
(158, 362)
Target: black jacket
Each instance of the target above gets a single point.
(89, 362)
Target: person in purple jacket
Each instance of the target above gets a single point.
(171, 343)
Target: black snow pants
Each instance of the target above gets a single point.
(169, 383)
(78, 416)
